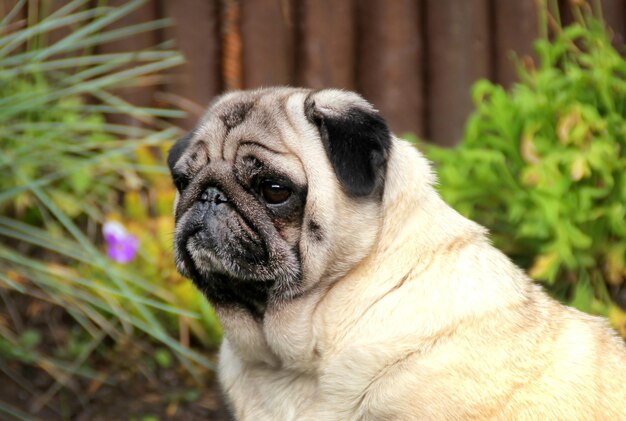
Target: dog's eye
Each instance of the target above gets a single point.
(273, 192)
(180, 181)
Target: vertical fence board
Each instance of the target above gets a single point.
(390, 57)
(267, 32)
(614, 12)
(196, 33)
(327, 50)
(140, 95)
(515, 30)
(230, 31)
(47, 7)
(565, 11)
(6, 6)
(457, 57)
(19, 20)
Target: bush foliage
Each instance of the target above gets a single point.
(544, 166)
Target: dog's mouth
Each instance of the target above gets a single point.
(232, 259)
(226, 277)
(228, 246)
(203, 257)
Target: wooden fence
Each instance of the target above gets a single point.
(414, 59)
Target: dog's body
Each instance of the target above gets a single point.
(395, 307)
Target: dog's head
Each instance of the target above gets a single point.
(278, 190)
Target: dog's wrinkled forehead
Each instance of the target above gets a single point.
(233, 115)
(233, 109)
(260, 106)
(225, 114)
(236, 117)
(297, 122)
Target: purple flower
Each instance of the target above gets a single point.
(121, 245)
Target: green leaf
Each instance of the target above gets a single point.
(163, 358)
(30, 338)
(583, 296)
(543, 164)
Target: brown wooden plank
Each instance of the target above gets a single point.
(326, 57)
(143, 95)
(390, 60)
(516, 28)
(232, 72)
(267, 31)
(458, 55)
(196, 33)
(565, 12)
(48, 7)
(614, 12)
(18, 20)
(7, 5)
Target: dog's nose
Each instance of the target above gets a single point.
(213, 194)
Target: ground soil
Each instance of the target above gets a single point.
(128, 384)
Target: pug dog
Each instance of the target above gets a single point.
(348, 290)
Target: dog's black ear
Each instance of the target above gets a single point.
(356, 139)
(177, 150)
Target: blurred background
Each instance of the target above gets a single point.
(415, 59)
(520, 104)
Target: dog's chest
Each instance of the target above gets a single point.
(258, 391)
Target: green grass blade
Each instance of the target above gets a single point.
(117, 104)
(22, 102)
(128, 295)
(68, 374)
(79, 236)
(94, 40)
(99, 23)
(68, 8)
(153, 140)
(139, 323)
(117, 34)
(8, 410)
(20, 231)
(12, 41)
(12, 13)
(12, 284)
(87, 60)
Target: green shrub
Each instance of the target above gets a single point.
(544, 165)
